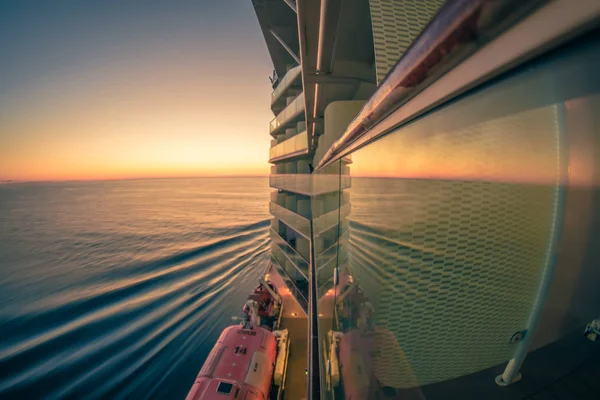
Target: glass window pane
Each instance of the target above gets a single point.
(454, 223)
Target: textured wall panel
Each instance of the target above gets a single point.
(396, 24)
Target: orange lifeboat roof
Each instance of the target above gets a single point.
(242, 360)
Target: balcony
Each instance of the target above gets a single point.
(282, 248)
(289, 114)
(326, 263)
(292, 284)
(292, 147)
(290, 78)
(290, 218)
(309, 185)
(325, 183)
(330, 219)
(338, 246)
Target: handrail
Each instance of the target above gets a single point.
(459, 29)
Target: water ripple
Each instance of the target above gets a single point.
(139, 329)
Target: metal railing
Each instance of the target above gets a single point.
(449, 39)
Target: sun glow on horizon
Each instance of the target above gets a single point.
(157, 104)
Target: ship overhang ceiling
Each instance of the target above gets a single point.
(278, 22)
(337, 54)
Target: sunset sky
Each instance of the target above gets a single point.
(124, 89)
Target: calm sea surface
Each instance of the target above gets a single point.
(120, 288)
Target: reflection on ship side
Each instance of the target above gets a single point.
(475, 218)
(366, 361)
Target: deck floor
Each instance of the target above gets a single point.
(582, 383)
(565, 369)
(295, 386)
(295, 321)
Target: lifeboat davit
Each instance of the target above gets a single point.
(249, 360)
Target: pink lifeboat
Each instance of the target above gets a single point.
(248, 361)
(240, 366)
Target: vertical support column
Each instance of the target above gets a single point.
(314, 378)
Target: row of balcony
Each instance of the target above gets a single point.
(326, 246)
(289, 254)
(301, 224)
(290, 113)
(277, 258)
(290, 78)
(325, 271)
(294, 146)
(309, 185)
(293, 263)
(326, 255)
(290, 218)
(330, 219)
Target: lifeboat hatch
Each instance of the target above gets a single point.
(221, 390)
(224, 388)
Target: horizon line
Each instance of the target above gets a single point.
(13, 181)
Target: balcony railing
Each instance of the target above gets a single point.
(290, 218)
(288, 79)
(294, 146)
(325, 270)
(326, 255)
(308, 184)
(339, 246)
(297, 183)
(291, 111)
(290, 254)
(330, 219)
(324, 183)
(290, 282)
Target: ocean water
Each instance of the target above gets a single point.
(119, 289)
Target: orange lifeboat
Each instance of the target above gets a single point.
(249, 360)
(240, 366)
